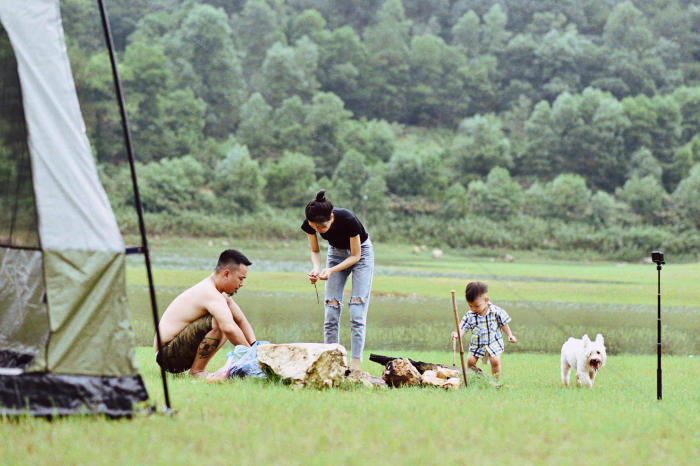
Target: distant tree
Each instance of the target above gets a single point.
(455, 202)
(257, 28)
(256, 129)
(238, 182)
(686, 197)
(499, 197)
(655, 123)
(290, 180)
(207, 62)
(374, 195)
(536, 201)
(360, 186)
(561, 59)
(568, 197)
(646, 197)
(540, 155)
(494, 35)
(519, 61)
(325, 122)
(309, 23)
(82, 28)
(466, 34)
(479, 146)
(341, 58)
(387, 73)
(644, 164)
(171, 186)
(514, 120)
(605, 208)
(166, 122)
(290, 133)
(688, 99)
(629, 40)
(591, 129)
(437, 86)
(100, 110)
(289, 71)
(375, 139)
(482, 78)
(182, 119)
(684, 158)
(627, 28)
(349, 178)
(410, 174)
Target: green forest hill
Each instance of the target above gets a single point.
(571, 125)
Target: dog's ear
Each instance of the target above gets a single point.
(586, 340)
(599, 338)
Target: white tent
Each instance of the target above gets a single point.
(66, 344)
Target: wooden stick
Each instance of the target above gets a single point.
(454, 351)
(459, 337)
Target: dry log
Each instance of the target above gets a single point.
(420, 365)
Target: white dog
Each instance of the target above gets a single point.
(585, 356)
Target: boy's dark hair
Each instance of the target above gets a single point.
(229, 257)
(474, 290)
(319, 209)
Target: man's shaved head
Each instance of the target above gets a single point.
(231, 257)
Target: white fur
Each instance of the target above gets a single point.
(585, 356)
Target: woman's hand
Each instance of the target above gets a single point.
(325, 273)
(313, 276)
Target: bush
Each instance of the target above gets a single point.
(238, 182)
(171, 186)
(290, 180)
(687, 197)
(410, 174)
(499, 198)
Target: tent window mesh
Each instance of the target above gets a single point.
(18, 220)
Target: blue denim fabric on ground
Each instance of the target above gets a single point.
(244, 361)
(362, 273)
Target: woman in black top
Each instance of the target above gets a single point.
(349, 252)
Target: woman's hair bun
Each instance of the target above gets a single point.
(321, 195)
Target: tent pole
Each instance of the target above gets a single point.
(137, 197)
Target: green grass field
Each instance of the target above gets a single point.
(531, 419)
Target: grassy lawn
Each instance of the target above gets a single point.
(530, 420)
(400, 272)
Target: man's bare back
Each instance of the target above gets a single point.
(187, 307)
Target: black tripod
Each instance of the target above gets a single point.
(658, 258)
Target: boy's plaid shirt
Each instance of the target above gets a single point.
(485, 329)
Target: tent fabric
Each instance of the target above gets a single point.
(72, 206)
(46, 394)
(66, 343)
(23, 316)
(18, 214)
(90, 328)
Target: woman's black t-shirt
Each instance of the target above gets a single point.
(345, 225)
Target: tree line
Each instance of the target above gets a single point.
(571, 121)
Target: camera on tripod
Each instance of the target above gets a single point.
(657, 257)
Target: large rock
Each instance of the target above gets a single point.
(365, 378)
(304, 364)
(401, 373)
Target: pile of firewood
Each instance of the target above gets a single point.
(404, 372)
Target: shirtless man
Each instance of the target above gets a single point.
(202, 318)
